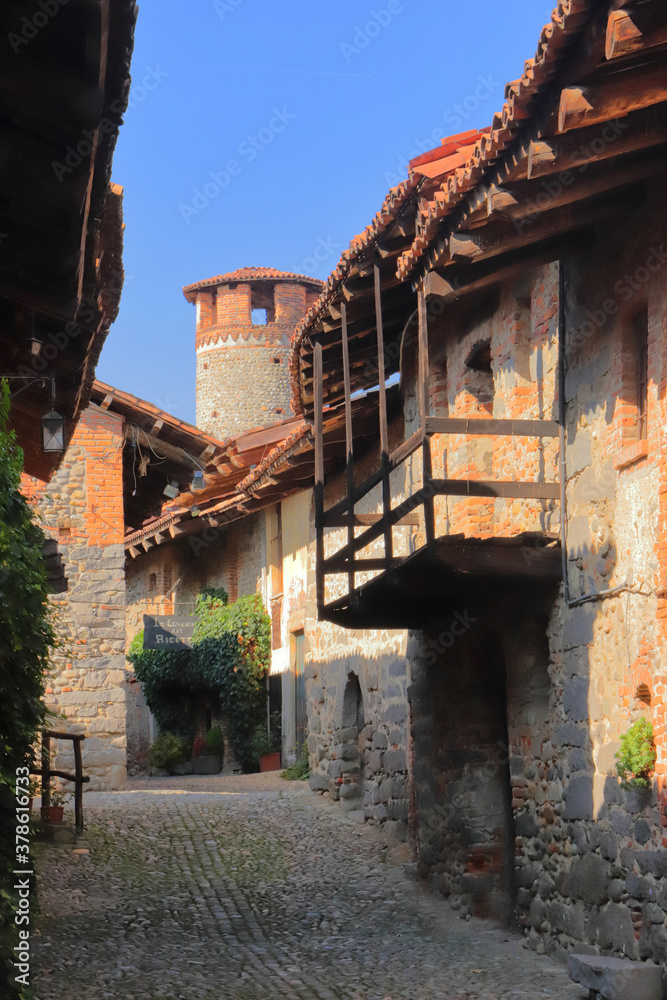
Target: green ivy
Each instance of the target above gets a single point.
(230, 659)
(636, 758)
(168, 751)
(300, 770)
(26, 637)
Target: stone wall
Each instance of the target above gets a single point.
(242, 366)
(590, 858)
(356, 683)
(82, 508)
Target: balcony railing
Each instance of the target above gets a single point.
(418, 508)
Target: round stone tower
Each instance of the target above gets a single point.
(245, 320)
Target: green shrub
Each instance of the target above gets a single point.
(636, 758)
(230, 659)
(26, 637)
(215, 741)
(260, 743)
(300, 771)
(168, 751)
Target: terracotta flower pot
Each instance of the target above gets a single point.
(270, 762)
(52, 814)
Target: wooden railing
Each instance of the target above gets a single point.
(342, 513)
(78, 777)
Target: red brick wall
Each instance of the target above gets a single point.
(82, 508)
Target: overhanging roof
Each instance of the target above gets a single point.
(593, 100)
(63, 92)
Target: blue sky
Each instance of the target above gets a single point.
(292, 119)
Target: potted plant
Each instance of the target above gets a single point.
(208, 751)
(635, 760)
(167, 751)
(266, 748)
(53, 813)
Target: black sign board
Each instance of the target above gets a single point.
(169, 632)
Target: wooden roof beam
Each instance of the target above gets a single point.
(611, 97)
(452, 286)
(500, 237)
(640, 130)
(529, 200)
(634, 29)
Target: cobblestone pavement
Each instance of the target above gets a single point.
(250, 887)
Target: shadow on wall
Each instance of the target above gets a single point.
(519, 812)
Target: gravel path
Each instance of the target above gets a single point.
(253, 887)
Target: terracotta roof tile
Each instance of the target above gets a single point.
(250, 274)
(566, 22)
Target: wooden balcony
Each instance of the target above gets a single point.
(407, 589)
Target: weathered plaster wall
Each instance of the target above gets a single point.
(82, 508)
(590, 859)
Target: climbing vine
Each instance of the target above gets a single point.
(26, 636)
(230, 659)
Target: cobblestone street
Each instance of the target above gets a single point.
(252, 887)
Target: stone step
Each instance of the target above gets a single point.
(616, 978)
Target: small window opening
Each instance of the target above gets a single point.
(479, 375)
(479, 359)
(276, 361)
(643, 694)
(258, 317)
(152, 582)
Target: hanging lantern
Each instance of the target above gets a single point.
(172, 489)
(53, 431)
(198, 481)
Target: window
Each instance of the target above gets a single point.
(479, 375)
(152, 582)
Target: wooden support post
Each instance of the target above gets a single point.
(319, 479)
(424, 407)
(46, 770)
(78, 786)
(349, 446)
(384, 436)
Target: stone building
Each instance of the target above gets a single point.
(252, 529)
(61, 277)
(459, 535)
(514, 286)
(245, 320)
(82, 510)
